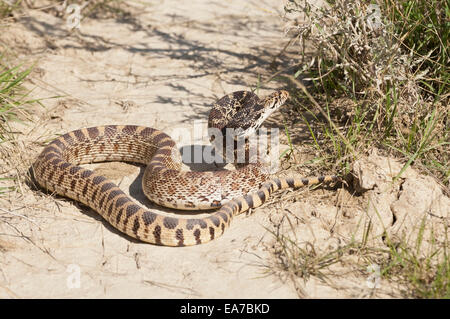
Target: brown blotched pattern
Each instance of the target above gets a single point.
(57, 170)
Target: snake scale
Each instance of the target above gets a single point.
(229, 191)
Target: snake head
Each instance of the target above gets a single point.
(270, 104)
(276, 99)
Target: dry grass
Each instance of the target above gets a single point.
(418, 274)
(377, 76)
(360, 60)
(14, 103)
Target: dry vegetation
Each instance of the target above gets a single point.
(385, 83)
(380, 71)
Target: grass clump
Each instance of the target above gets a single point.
(424, 28)
(374, 74)
(14, 100)
(424, 277)
(13, 97)
(380, 69)
(419, 265)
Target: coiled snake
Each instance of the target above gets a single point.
(57, 169)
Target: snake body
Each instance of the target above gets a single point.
(232, 192)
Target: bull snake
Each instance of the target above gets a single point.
(232, 192)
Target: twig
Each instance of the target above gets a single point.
(19, 215)
(301, 86)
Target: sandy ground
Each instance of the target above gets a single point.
(163, 66)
